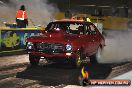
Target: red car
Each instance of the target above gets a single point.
(70, 40)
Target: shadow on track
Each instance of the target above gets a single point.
(57, 74)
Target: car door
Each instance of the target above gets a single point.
(82, 37)
(88, 40)
(94, 37)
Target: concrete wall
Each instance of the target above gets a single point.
(14, 39)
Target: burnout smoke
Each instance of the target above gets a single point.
(39, 11)
(7, 13)
(118, 47)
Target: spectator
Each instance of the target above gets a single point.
(21, 17)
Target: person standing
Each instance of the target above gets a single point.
(21, 17)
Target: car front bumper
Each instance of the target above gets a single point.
(52, 55)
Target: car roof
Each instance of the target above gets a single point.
(69, 20)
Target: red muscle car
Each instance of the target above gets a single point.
(70, 40)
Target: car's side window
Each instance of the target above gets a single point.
(88, 30)
(92, 29)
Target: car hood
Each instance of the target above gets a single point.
(54, 37)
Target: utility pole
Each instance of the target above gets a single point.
(125, 5)
(69, 4)
(68, 12)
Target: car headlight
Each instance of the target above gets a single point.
(68, 47)
(29, 45)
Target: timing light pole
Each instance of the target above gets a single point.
(69, 4)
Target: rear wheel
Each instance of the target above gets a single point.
(34, 60)
(97, 56)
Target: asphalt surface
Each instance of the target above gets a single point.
(52, 75)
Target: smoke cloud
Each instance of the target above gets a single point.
(118, 47)
(40, 12)
(7, 13)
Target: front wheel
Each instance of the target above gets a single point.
(34, 60)
(76, 62)
(97, 56)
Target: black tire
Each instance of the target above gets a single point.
(76, 62)
(34, 60)
(95, 57)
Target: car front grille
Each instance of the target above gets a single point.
(50, 47)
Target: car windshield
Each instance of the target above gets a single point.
(68, 27)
